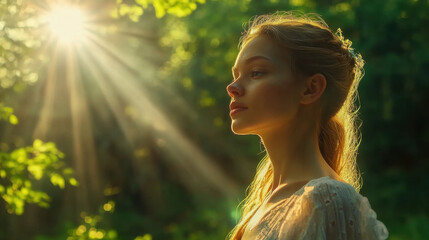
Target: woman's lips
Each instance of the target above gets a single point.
(236, 110)
(236, 107)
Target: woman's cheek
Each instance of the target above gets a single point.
(277, 96)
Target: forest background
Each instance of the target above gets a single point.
(125, 133)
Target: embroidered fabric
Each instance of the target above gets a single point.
(322, 209)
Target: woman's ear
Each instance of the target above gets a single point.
(314, 88)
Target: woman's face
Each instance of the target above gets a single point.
(264, 95)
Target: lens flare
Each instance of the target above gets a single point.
(67, 23)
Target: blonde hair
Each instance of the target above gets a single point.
(312, 48)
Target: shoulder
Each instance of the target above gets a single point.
(340, 211)
(324, 191)
(327, 185)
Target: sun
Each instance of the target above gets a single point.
(67, 24)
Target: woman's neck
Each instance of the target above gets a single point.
(295, 154)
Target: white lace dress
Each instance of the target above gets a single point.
(323, 208)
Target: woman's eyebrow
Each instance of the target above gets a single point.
(251, 59)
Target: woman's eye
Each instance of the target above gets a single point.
(256, 74)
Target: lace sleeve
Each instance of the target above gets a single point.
(334, 210)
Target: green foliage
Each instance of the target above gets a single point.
(144, 237)
(23, 166)
(6, 113)
(209, 223)
(92, 226)
(178, 8)
(17, 43)
(414, 227)
(95, 227)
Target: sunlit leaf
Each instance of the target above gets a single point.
(143, 3)
(36, 171)
(37, 143)
(73, 182)
(57, 180)
(124, 9)
(13, 119)
(144, 237)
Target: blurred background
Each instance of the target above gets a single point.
(115, 121)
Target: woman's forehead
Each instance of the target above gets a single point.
(260, 46)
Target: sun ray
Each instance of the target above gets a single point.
(121, 76)
(83, 140)
(135, 66)
(138, 67)
(195, 165)
(43, 123)
(101, 78)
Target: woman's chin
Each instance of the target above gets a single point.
(239, 130)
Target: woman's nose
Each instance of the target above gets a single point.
(234, 90)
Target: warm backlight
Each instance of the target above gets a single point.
(67, 23)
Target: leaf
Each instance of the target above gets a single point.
(38, 197)
(124, 9)
(144, 237)
(57, 180)
(136, 11)
(37, 143)
(67, 171)
(20, 155)
(73, 182)
(143, 3)
(43, 204)
(36, 171)
(2, 173)
(24, 191)
(159, 9)
(13, 119)
(18, 210)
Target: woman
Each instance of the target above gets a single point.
(294, 86)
